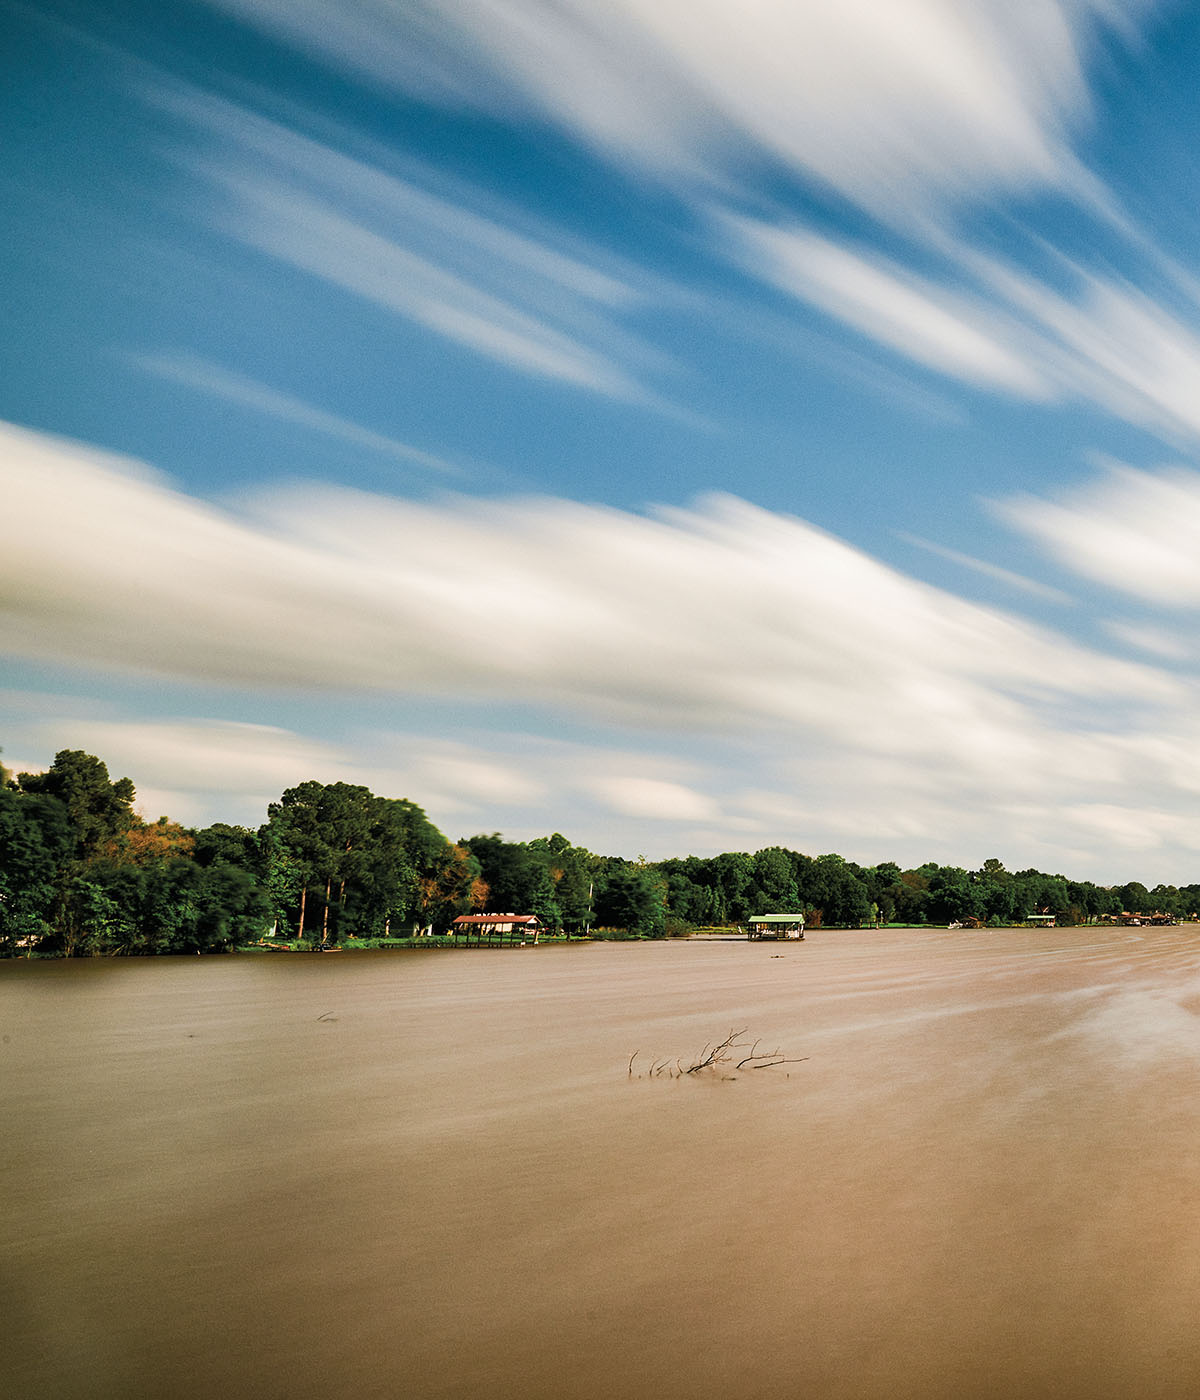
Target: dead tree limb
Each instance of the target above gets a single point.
(766, 1062)
(716, 1057)
(718, 1054)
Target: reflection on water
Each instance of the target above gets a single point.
(430, 1174)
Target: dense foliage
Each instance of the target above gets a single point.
(82, 873)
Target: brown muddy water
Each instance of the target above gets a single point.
(431, 1174)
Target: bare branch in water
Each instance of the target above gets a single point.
(716, 1057)
(718, 1054)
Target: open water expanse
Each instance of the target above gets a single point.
(430, 1174)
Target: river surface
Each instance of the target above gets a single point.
(434, 1174)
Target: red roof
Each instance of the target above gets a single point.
(497, 919)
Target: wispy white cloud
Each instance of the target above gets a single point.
(203, 375)
(909, 315)
(899, 107)
(637, 796)
(807, 666)
(456, 776)
(314, 236)
(196, 755)
(568, 593)
(531, 299)
(1104, 341)
(1153, 640)
(914, 110)
(1134, 532)
(181, 764)
(985, 567)
(993, 325)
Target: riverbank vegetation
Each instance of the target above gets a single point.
(335, 865)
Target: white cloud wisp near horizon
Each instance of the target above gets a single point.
(795, 666)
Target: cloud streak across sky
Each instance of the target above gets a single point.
(207, 378)
(916, 111)
(899, 107)
(543, 600)
(720, 621)
(511, 297)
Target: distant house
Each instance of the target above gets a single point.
(777, 926)
(497, 928)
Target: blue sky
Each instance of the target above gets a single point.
(686, 425)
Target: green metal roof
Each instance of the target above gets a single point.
(777, 918)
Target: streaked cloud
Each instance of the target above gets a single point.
(919, 115)
(637, 796)
(1155, 641)
(1135, 532)
(460, 775)
(987, 569)
(899, 107)
(1105, 341)
(196, 372)
(182, 765)
(909, 315)
(706, 676)
(779, 649)
(532, 301)
(315, 237)
(199, 755)
(993, 325)
(537, 598)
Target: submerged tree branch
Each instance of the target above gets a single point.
(715, 1057)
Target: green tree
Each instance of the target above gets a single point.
(298, 850)
(99, 814)
(570, 869)
(954, 896)
(690, 891)
(774, 889)
(1039, 893)
(1165, 899)
(630, 897)
(830, 888)
(517, 876)
(99, 811)
(1134, 897)
(36, 850)
(880, 882)
(229, 845)
(733, 882)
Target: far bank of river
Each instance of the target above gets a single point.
(439, 1177)
(732, 934)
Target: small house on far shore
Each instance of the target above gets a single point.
(776, 926)
(497, 928)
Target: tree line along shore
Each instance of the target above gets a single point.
(334, 865)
